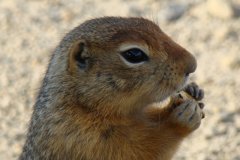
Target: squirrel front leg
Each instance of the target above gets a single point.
(178, 119)
(182, 115)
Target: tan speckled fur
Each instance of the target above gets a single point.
(102, 111)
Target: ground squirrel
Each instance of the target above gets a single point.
(97, 100)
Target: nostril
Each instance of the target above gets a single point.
(191, 66)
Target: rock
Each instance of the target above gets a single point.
(236, 157)
(226, 62)
(67, 15)
(220, 130)
(199, 11)
(227, 117)
(236, 8)
(173, 11)
(5, 101)
(221, 33)
(235, 65)
(220, 9)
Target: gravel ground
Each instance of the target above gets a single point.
(210, 29)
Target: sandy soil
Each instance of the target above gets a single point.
(210, 29)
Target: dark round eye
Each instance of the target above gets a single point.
(134, 55)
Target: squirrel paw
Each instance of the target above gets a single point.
(193, 90)
(188, 115)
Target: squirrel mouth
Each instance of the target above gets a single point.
(165, 101)
(174, 91)
(179, 88)
(183, 84)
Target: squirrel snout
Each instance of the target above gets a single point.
(191, 65)
(181, 56)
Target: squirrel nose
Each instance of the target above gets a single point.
(191, 65)
(181, 56)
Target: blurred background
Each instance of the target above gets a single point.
(209, 29)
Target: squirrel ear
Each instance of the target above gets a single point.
(78, 56)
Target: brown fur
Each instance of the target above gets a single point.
(100, 111)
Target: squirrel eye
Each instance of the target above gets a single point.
(134, 55)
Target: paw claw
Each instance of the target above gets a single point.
(195, 91)
(201, 105)
(203, 115)
(201, 94)
(189, 114)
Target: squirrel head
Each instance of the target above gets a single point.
(121, 63)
